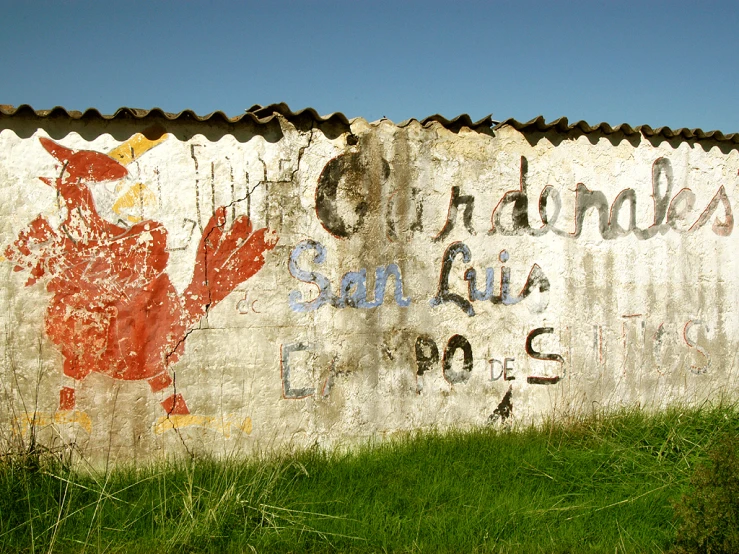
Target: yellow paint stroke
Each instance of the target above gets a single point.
(139, 195)
(134, 147)
(219, 424)
(127, 152)
(44, 419)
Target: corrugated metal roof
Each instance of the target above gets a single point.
(455, 124)
(264, 114)
(562, 125)
(256, 114)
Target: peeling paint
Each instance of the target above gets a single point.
(192, 288)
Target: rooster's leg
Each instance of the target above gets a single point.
(174, 404)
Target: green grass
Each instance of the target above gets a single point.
(595, 484)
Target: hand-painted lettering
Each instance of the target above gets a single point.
(353, 287)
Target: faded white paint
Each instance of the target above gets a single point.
(627, 320)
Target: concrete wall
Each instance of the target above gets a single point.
(213, 287)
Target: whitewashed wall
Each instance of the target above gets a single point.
(615, 312)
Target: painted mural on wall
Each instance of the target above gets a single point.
(114, 310)
(421, 278)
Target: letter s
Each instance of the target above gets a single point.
(323, 284)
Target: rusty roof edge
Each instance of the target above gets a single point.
(562, 125)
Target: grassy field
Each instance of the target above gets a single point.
(596, 484)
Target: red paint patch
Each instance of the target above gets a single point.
(175, 405)
(114, 310)
(66, 398)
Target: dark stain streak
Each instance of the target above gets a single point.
(504, 409)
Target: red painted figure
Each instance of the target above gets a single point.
(114, 310)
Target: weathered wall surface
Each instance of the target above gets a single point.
(206, 287)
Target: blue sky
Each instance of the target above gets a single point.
(649, 62)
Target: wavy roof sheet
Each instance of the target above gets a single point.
(264, 114)
(455, 124)
(562, 125)
(256, 114)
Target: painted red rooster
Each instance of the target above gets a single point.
(114, 310)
